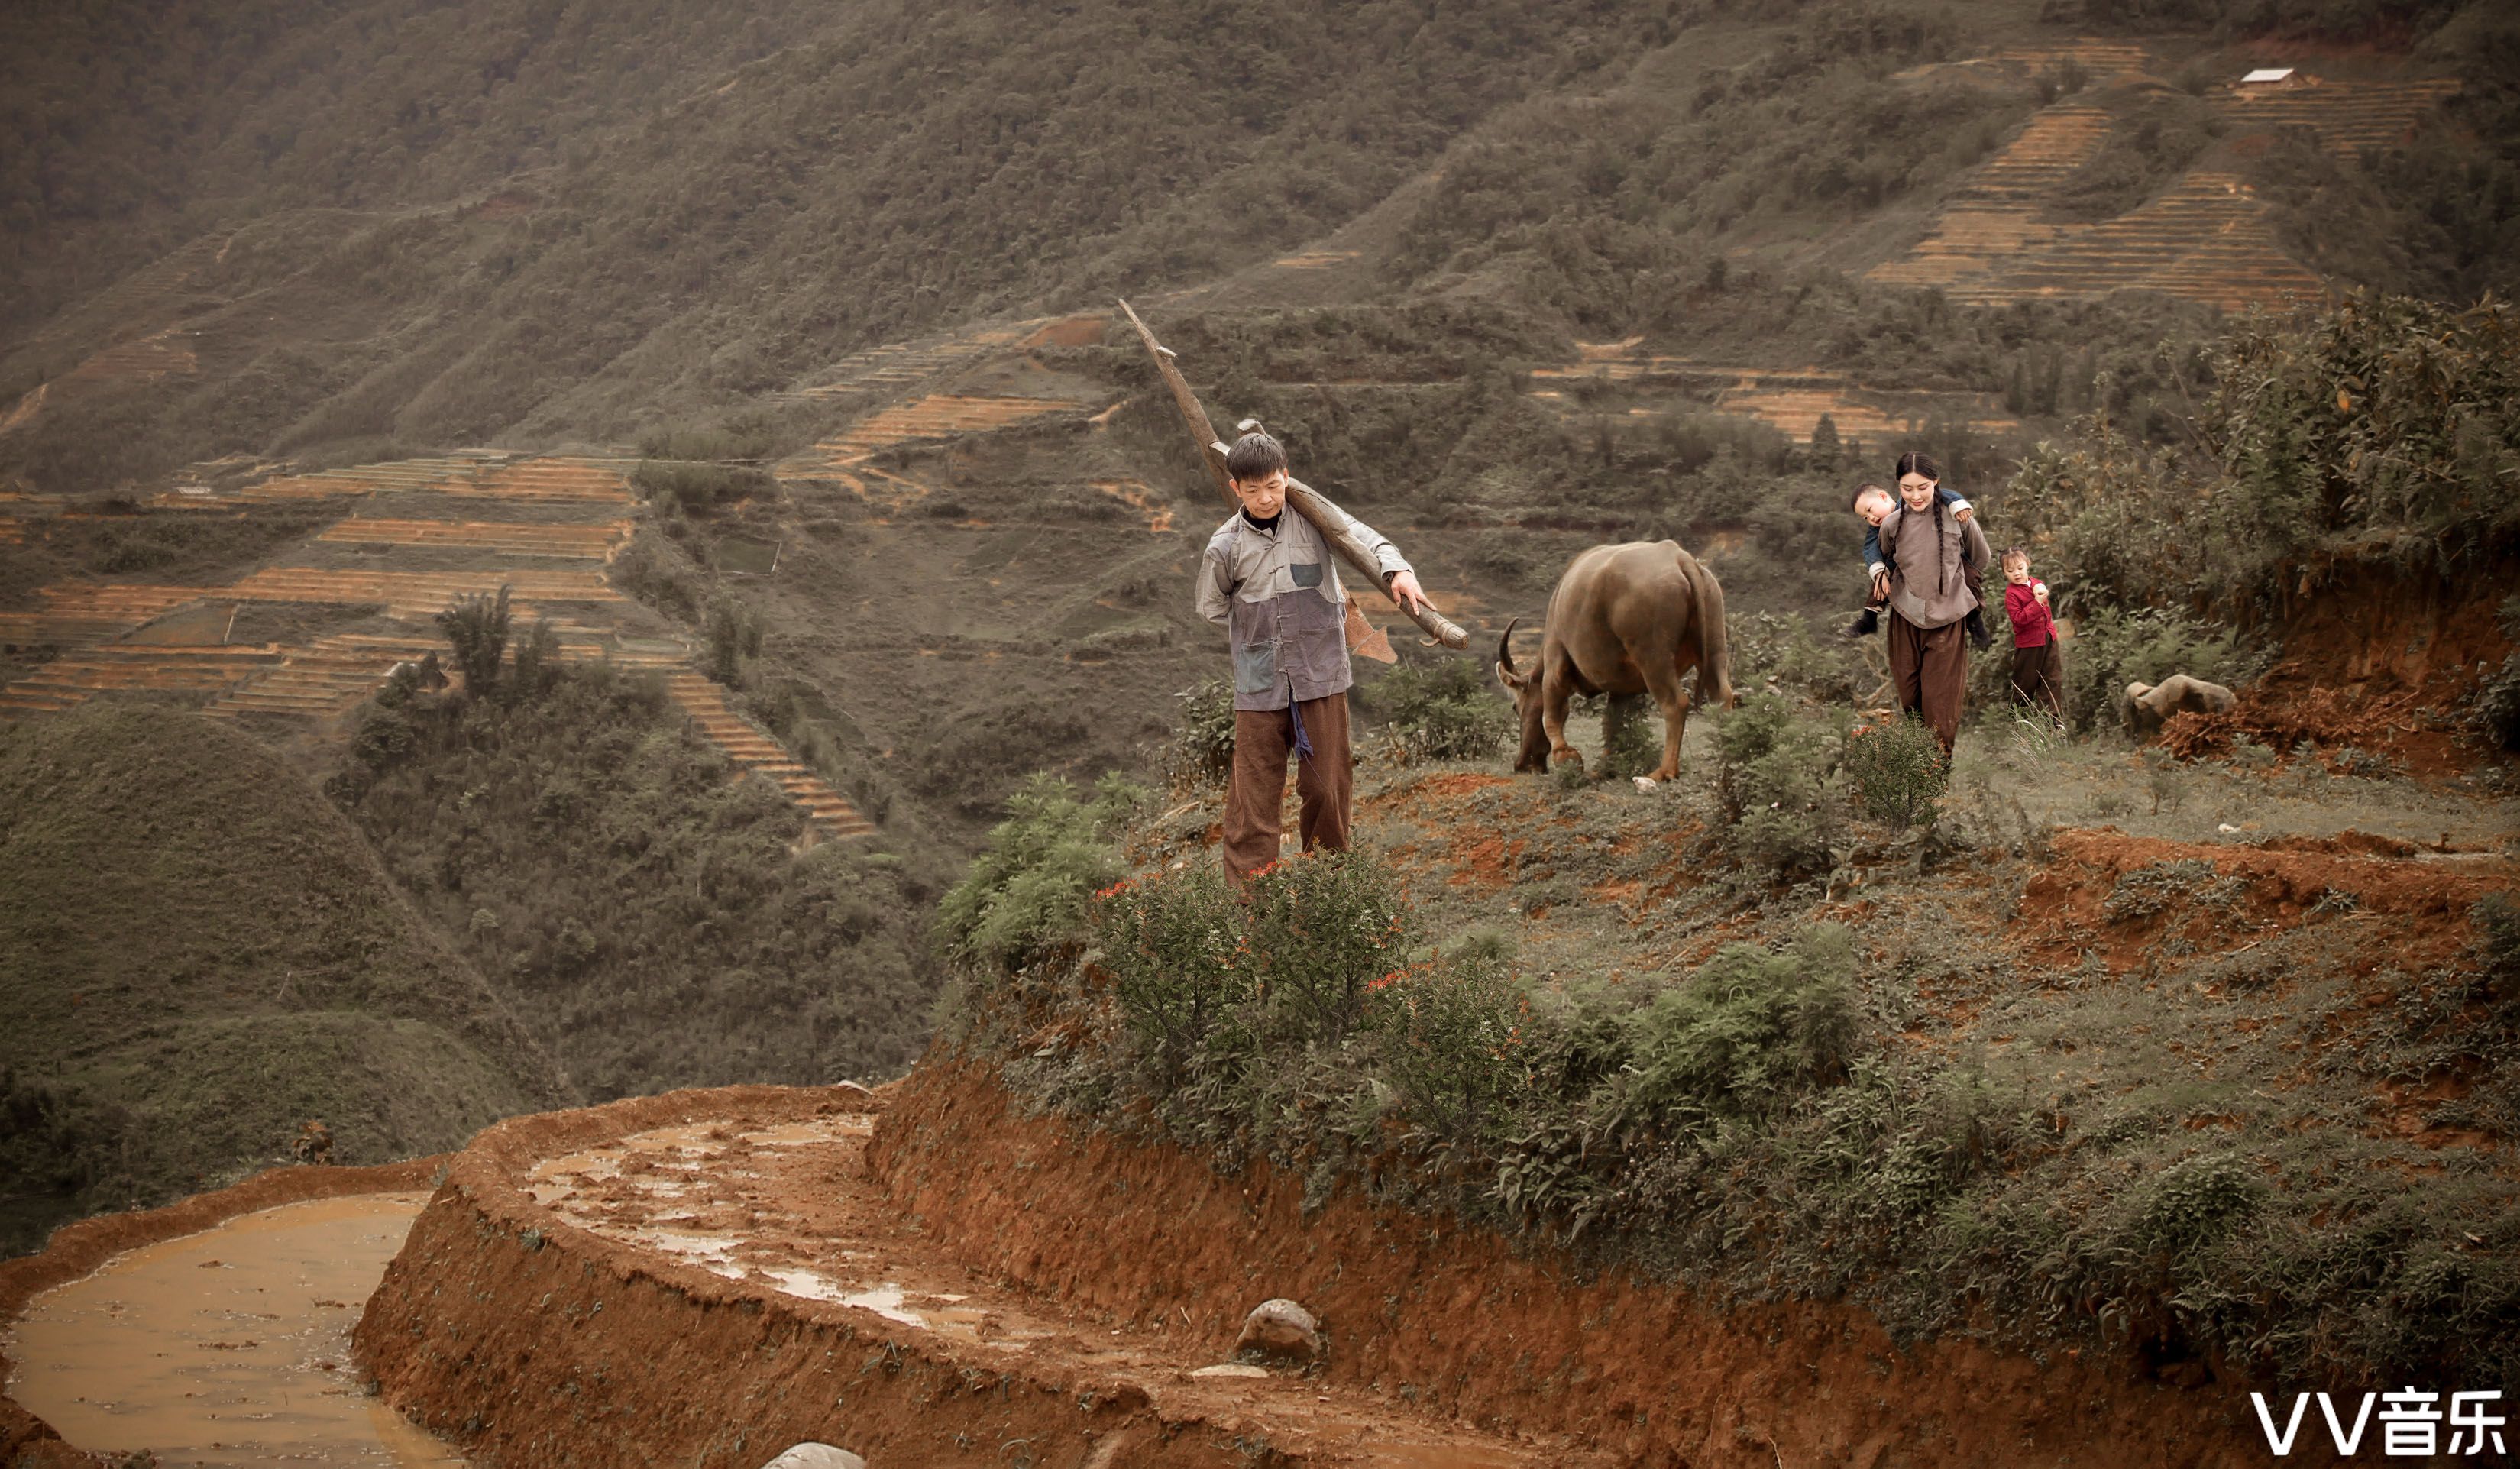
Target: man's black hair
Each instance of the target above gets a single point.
(1255, 456)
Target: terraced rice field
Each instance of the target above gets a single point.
(167, 667)
(899, 366)
(1314, 259)
(1994, 213)
(596, 542)
(1795, 409)
(2206, 239)
(29, 403)
(569, 479)
(1081, 331)
(157, 355)
(82, 614)
(418, 596)
(942, 416)
(1791, 400)
(2349, 117)
(144, 360)
(1596, 363)
(329, 676)
(146, 297)
(563, 479)
(328, 484)
(705, 700)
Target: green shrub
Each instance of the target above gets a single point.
(1896, 770)
(1749, 1032)
(537, 664)
(656, 923)
(698, 489)
(1449, 1041)
(1026, 894)
(1202, 746)
(1321, 926)
(1781, 651)
(477, 627)
(2191, 1206)
(734, 634)
(1778, 785)
(1295, 948)
(1442, 710)
(385, 737)
(1177, 957)
(745, 436)
(2372, 432)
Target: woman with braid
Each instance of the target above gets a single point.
(1933, 558)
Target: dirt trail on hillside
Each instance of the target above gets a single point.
(715, 1276)
(29, 1441)
(230, 1347)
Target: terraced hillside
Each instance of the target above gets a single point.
(934, 419)
(2206, 238)
(172, 639)
(1792, 401)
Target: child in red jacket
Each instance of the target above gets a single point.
(2038, 661)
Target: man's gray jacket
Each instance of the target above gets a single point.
(1277, 594)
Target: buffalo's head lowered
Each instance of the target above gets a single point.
(1525, 689)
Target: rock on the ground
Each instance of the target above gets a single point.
(1230, 1369)
(1280, 1328)
(816, 1456)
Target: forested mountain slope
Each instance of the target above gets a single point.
(345, 227)
(202, 956)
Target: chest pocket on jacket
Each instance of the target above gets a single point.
(1306, 574)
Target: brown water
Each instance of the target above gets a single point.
(227, 1347)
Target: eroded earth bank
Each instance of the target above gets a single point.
(926, 1278)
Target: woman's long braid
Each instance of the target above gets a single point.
(1941, 576)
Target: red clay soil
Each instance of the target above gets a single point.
(2406, 725)
(1454, 1320)
(708, 1277)
(75, 1250)
(2372, 629)
(2409, 908)
(2374, 657)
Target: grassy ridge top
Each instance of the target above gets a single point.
(202, 954)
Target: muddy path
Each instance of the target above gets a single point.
(130, 1331)
(709, 1277)
(230, 1347)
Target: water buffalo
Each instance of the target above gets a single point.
(1625, 619)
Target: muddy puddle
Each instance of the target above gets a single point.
(227, 1347)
